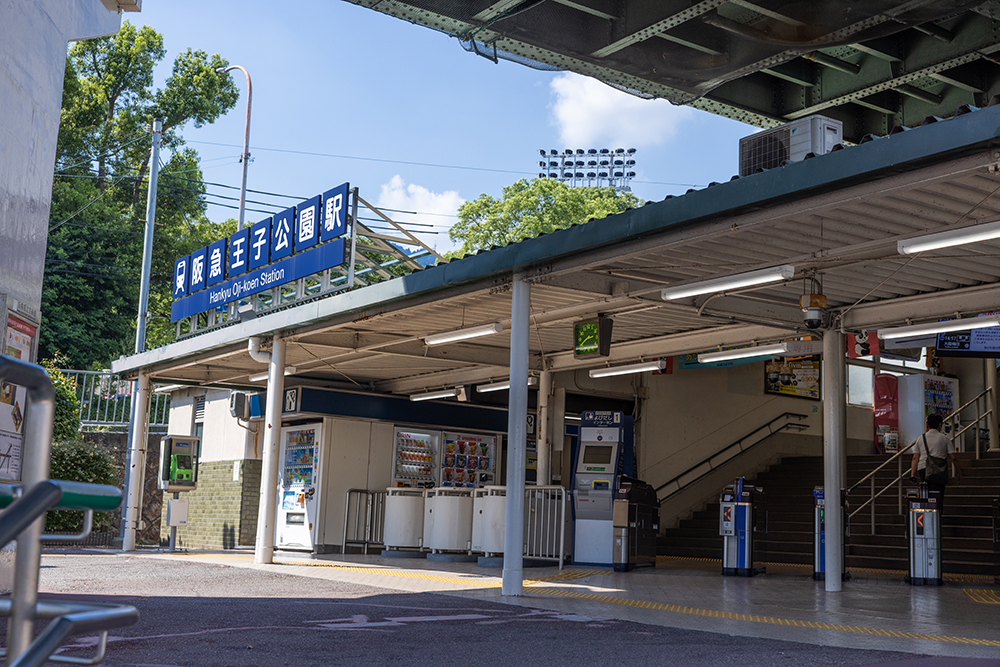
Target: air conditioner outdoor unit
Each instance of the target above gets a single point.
(790, 142)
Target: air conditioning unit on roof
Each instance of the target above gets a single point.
(789, 143)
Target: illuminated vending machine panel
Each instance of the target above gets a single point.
(298, 494)
(415, 458)
(468, 461)
(921, 396)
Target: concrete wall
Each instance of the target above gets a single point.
(33, 43)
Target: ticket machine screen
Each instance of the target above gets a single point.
(597, 454)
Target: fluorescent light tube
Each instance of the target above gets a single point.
(790, 348)
(431, 395)
(770, 275)
(262, 377)
(939, 327)
(643, 367)
(500, 386)
(462, 334)
(952, 237)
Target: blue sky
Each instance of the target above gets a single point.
(343, 93)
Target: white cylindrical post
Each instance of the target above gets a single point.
(264, 547)
(543, 428)
(834, 451)
(517, 418)
(137, 462)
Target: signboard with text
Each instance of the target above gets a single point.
(300, 241)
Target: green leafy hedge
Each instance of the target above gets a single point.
(67, 420)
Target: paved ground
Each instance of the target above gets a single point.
(220, 609)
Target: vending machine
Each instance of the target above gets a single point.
(415, 458)
(424, 458)
(920, 396)
(300, 457)
(468, 461)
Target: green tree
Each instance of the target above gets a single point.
(529, 208)
(91, 289)
(66, 425)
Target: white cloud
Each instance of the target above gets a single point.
(424, 208)
(591, 114)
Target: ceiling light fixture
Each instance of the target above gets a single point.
(952, 237)
(431, 395)
(770, 275)
(644, 367)
(262, 377)
(789, 348)
(500, 386)
(939, 327)
(463, 334)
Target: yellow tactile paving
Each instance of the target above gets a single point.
(983, 595)
(732, 616)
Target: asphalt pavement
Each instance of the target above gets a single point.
(206, 614)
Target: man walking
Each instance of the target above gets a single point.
(933, 454)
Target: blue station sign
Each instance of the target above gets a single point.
(298, 242)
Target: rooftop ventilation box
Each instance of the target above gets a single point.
(789, 143)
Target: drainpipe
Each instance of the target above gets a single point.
(253, 348)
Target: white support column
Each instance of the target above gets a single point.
(517, 418)
(990, 369)
(137, 462)
(834, 451)
(264, 547)
(544, 429)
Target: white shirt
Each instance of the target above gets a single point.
(938, 444)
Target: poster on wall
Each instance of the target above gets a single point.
(20, 337)
(799, 377)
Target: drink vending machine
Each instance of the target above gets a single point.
(606, 450)
(423, 458)
(300, 457)
(741, 515)
(819, 534)
(924, 533)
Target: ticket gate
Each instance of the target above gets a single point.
(819, 534)
(996, 539)
(924, 534)
(741, 516)
(636, 524)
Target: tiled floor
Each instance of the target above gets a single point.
(874, 610)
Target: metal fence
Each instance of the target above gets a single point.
(106, 402)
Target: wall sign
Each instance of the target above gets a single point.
(299, 241)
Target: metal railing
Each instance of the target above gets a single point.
(364, 526)
(873, 495)
(106, 401)
(983, 411)
(545, 523)
(23, 519)
(710, 463)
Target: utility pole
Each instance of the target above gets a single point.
(246, 141)
(136, 436)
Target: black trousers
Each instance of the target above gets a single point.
(934, 488)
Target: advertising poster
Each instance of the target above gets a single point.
(20, 336)
(793, 377)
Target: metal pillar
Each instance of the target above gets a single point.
(543, 442)
(834, 450)
(264, 548)
(137, 461)
(517, 418)
(990, 369)
(245, 158)
(35, 453)
(147, 243)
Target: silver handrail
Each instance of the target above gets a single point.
(955, 419)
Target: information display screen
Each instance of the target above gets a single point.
(970, 343)
(597, 454)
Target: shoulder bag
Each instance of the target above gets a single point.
(936, 468)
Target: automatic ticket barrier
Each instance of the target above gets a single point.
(996, 539)
(819, 534)
(924, 533)
(636, 524)
(741, 516)
(604, 437)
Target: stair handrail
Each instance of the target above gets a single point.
(737, 443)
(879, 467)
(955, 419)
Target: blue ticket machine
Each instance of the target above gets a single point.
(605, 451)
(739, 507)
(819, 534)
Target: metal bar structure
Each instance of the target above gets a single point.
(106, 399)
(984, 411)
(545, 523)
(368, 523)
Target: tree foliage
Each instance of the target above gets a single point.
(529, 208)
(93, 263)
(66, 425)
(80, 461)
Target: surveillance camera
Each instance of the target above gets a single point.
(813, 307)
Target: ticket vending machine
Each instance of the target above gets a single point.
(741, 515)
(924, 533)
(819, 534)
(605, 451)
(298, 487)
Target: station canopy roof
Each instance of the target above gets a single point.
(836, 218)
(872, 64)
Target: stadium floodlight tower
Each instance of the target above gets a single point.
(593, 167)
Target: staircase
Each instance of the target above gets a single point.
(966, 528)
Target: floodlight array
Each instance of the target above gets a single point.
(605, 167)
